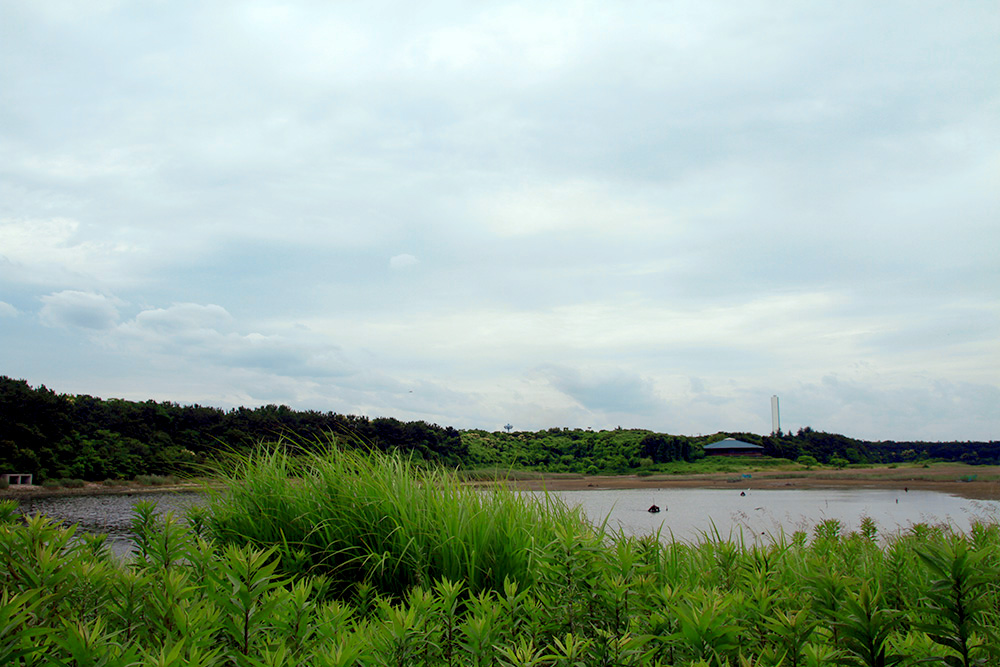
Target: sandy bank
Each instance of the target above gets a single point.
(942, 478)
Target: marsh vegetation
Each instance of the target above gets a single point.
(342, 558)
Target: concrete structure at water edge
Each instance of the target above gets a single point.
(17, 479)
(733, 447)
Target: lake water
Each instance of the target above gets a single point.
(686, 513)
(110, 514)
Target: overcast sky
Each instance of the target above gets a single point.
(579, 214)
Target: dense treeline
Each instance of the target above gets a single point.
(78, 436)
(65, 436)
(575, 450)
(621, 450)
(829, 446)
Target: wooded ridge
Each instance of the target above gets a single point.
(80, 436)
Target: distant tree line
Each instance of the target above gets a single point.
(622, 450)
(79, 436)
(826, 447)
(577, 450)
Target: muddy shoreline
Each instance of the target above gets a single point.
(35, 492)
(942, 478)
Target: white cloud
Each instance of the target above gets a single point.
(85, 310)
(207, 336)
(7, 310)
(183, 317)
(52, 250)
(402, 262)
(569, 208)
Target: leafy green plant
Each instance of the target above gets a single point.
(792, 631)
(865, 627)
(248, 577)
(705, 626)
(8, 511)
(18, 635)
(957, 601)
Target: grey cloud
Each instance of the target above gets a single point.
(605, 391)
(922, 409)
(206, 335)
(86, 310)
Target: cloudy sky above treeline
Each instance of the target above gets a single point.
(583, 214)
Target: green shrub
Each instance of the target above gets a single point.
(51, 483)
(4, 484)
(808, 461)
(72, 483)
(115, 482)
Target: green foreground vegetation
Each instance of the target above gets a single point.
(335, 557)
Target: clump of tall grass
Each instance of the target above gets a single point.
(155, 480)
(380, 520)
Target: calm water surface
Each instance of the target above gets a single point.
(110, 514)
(686, 513)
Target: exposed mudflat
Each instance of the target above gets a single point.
(944, 478)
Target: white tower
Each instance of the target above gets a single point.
(775, 417)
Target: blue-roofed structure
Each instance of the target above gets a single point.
(733, 447)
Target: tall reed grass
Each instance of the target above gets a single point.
(928, 596)
(366, 518)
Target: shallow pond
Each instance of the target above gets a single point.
(110, 514)
(686, 513)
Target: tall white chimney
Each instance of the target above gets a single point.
(775, 417)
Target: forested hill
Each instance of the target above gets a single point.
(59, 435)
(78, 436)
(624, 450)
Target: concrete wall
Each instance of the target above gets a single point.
(15, 479)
